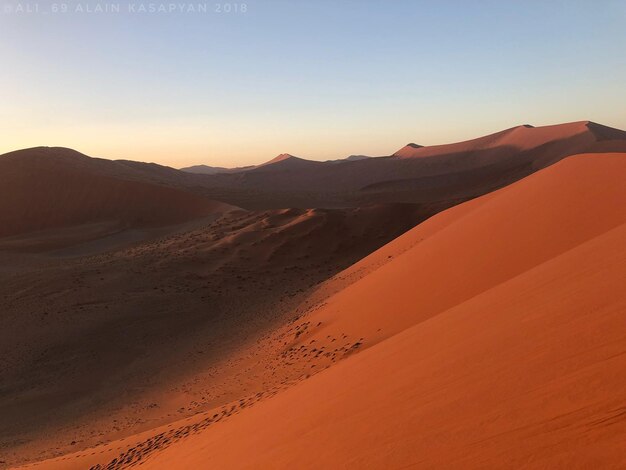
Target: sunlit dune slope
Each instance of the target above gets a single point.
(472, 247)
(527, 374)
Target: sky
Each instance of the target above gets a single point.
(231, 84)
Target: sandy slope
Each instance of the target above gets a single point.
(490, 336)
(42, 189)
(527, 374)
(469, 248)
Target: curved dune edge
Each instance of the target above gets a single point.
(492, 335)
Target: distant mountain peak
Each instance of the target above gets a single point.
(353, 158)
(281, 157)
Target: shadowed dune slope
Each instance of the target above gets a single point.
(97, 347)
(491, 336)
(46, 188)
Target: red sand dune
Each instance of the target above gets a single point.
(490, 336)
(45, 188)
(528, 374)
(521, 138)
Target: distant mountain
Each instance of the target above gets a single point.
(280, 158)
(285, 162)
(214, 170)
(351, 158)
(205, 169)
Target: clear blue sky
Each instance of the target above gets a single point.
(318, 79)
